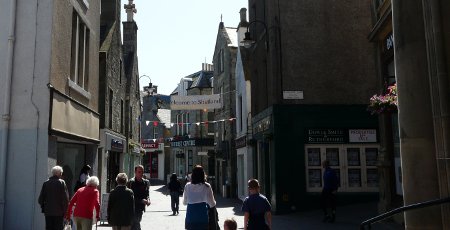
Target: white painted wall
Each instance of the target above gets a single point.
(27, 155)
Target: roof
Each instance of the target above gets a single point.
(231, 35)
(203, 80)
(108, 39)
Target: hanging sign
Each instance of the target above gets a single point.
(195, 102)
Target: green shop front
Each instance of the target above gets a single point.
(291, 142)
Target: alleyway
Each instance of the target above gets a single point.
(159, 216)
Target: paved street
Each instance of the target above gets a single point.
(159, 215)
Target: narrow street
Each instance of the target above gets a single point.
(158, 215)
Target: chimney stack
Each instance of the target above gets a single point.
(243, 13)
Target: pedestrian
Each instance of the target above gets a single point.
(82, 178)
(175, 190)
(256, 208)
(230, 224)
(329, 191)
(85, 200)
(54, 199)
(120, 211)
(140, 188)
(198, 196)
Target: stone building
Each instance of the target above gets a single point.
(421, 46)
(132, 93)
(224, 60)
(155, 127)
(312, 74)
(49, 100)
(192, 142)
(112, 87)
(391, 194)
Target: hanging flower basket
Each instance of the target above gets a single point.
(385, 103)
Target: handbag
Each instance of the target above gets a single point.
(67, 226)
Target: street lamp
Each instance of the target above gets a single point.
(150, 89)
(248, 41)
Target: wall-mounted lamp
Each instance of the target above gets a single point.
(150, 89)
(248, 41)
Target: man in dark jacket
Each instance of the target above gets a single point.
(140, 187)
(54, 199)
(121, 204)
(328, 196)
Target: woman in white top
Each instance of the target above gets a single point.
(198, 195)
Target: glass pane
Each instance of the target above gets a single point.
(314, 157)
(354, 178)
(333, 156)
(372, 178)
(371, 156)
(338, 174)
(353, 158)
(315, 178)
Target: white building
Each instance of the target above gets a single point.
(243, 115)
(48, 102)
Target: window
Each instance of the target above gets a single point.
(241, 113)
(355, 166)
(121, 117)
(221, 61)
(79, 65)
(211, 125)
(110, 109)
(155, 131)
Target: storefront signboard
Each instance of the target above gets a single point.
(328, 136)
(362, 135)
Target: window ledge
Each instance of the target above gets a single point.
(77, 88)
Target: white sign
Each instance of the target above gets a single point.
(292, 94)
(195, 102)
(362, 135)
(202, 153)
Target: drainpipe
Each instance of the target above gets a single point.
(6, 110)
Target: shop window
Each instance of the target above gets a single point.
(355, 166)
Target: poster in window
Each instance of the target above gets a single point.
(354, 178)
(314, 157)
(371, 156)
(333, 156)
(353, 156)
(372, 178)
(338, 174)
(315, 178)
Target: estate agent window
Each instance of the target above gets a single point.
(355, 166)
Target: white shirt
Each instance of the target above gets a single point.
(197, 193)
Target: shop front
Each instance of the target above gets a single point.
(188, 152)
(291, 141)
(113, 146)
(153, 159)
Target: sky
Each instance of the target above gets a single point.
(176, 36)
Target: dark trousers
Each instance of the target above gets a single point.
(136, 225)
(328, 200)
(174, 201)
(54, 222)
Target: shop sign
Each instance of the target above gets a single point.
(262, 125)
(330, 136)
(193, 142)
(241, 142)
(362, 135)
(116, 145)
(182, 143)
(149, 145)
